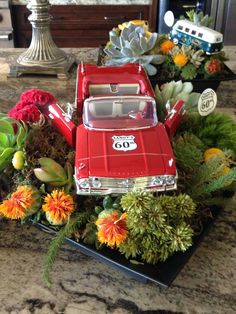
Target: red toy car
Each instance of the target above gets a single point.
(120, 145)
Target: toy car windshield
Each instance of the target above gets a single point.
(124, 112)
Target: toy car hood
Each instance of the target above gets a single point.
(120, 154)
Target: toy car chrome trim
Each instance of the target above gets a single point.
(106, 186)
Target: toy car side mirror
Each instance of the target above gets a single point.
(174, 117)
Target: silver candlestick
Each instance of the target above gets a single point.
(42, 56)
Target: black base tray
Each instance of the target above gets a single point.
(162, 273)
(199, 84)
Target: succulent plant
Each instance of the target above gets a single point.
(173, 91)
(54, 174)
(197, 57)
(189, 72)
(12, 137)
(199, 18)
(213, 67)
(132, 45)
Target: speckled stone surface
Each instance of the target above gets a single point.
(82, 285)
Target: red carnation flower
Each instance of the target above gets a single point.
(37, 97)
(26, 113)
(31, 103)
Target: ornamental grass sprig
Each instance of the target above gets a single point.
(71, 227)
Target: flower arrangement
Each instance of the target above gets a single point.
(188, 63)
(132, 42)
(37, 183)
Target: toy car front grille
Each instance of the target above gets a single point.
(103, 186)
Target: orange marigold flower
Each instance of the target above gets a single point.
(58, 207)
(24, 201)
(112, 229)
(166, 46)
(12, 209)
(180, 59)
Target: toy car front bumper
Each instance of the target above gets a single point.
(122, 185)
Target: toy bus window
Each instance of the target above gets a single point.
(194, 32)
(180, 27)
(187, 30)
(200, 35)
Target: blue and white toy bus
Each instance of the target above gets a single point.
(188, 33)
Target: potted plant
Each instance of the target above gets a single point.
(149, 235)
(179, 55)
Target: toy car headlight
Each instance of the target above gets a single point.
(170, 180)
(96, 183)
(158, 181)
(84, 183)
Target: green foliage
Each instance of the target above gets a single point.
(107, 202)
(207, 178)
(189, 72)
(54, 174)
(12, 138)
(71, 227)
(177, 207)
(215, 130)
(199, 18)
(157, 226)
(188, 151)
(89, 235)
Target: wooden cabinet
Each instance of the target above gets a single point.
(81, 25)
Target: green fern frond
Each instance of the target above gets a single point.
(71, 227)
(221, 181)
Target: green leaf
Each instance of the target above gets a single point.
(107, 202)
(45, 176)
(4, 142)
(133, 261)
(159, 99)
(53, 168)
(167, 91)
(98, 209)
(6, 127)
(20, 137)
(11, 139)
(187, 87)
(69, 175)
(6, 156)
(151, 69)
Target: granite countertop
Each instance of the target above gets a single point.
(85, 285)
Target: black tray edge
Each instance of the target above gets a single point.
(154, 79)
(135, 271)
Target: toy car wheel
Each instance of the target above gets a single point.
(175, 41)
